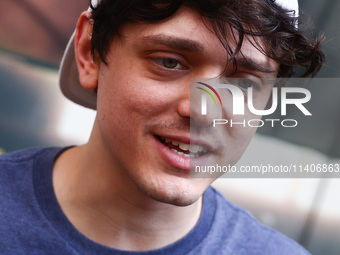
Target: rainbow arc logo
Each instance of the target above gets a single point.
(212, 89)
(204, 99)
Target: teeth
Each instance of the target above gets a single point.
(184, 146)
(192, 148)
(171, 141)
(185, 155)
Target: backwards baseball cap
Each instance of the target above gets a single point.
(69, 76)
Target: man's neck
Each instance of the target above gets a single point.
(113, 212)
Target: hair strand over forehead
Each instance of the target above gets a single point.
(262, 20)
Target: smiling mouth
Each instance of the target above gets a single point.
(183, 149)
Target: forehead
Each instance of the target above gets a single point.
(185, 23)
(187, 31)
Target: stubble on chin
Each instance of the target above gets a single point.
(171, 193)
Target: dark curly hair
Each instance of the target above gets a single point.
(276, 28)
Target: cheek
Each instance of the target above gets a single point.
(241, 138)
(148, 98)
(243, 133)
(130, 100)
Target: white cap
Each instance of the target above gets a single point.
(290, 5)
(69, 76)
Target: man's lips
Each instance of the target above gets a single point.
(182, 152)
(184, 147)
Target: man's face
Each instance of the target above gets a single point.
(144, 117)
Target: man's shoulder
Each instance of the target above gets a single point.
(19, 156)
(243, 234)
(24, 156)
(14, 164)
(16, 168)
(24, 227)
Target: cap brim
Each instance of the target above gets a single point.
(69, 80)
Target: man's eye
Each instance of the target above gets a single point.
(168, 62)
(245, 83)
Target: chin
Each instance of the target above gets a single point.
(179, 200)
(174, 195)
(171, 189)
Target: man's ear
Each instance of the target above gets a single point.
(87, 67)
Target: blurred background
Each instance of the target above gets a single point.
(33, 112)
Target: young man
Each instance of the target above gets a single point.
(128, 190)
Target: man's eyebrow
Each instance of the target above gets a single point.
(255, 65)
(175, 43)
(189, 45)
